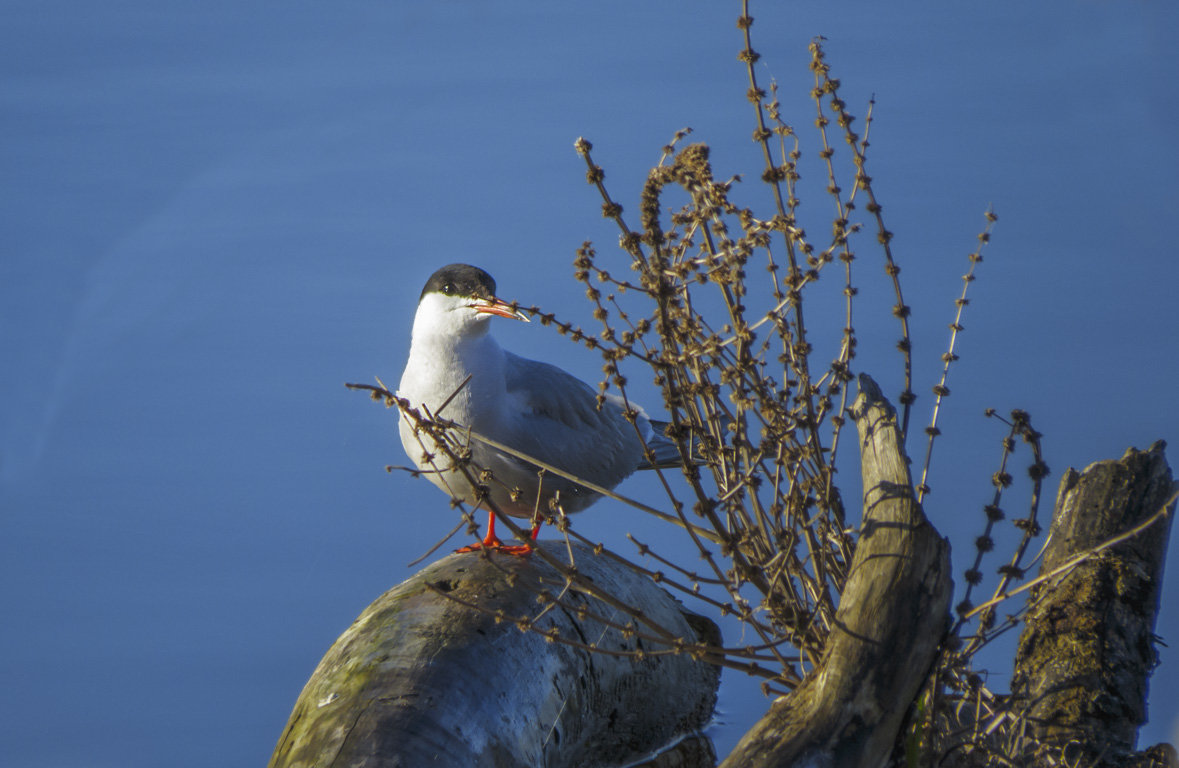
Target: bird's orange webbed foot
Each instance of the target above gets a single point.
(492, 543)
(519, 550)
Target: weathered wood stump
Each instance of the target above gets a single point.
(423, 677)
(891, 618)
(1087, 648)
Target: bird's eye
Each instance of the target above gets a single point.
(448, 289)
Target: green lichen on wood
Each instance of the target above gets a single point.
(1087, 649)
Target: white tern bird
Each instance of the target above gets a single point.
(457, 371)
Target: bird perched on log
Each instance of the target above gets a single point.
(458, 372)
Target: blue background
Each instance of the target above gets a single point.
(216, 213)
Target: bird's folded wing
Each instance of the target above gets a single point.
(561, 423)
(545, 391)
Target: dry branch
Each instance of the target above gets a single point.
(891, 618)
(438, 672)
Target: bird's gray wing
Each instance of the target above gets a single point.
(561, 423)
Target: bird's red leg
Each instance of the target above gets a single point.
(492, 542)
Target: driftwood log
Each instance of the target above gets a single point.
(1087, 648)
(423, 677)
(891, 618)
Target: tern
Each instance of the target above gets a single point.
(456, 371)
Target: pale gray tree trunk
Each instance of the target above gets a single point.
(425, 678)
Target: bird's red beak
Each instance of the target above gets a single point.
(499, 308)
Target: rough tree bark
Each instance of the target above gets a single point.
(1087, 648)
(891, 618)
(421, 679)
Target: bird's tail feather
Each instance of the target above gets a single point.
(666, 452)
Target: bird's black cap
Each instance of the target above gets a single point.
(461, 280)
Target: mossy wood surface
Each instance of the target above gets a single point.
(421, 680)
(1087, 648)
(891, 618)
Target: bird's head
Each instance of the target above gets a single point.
(458, 300)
